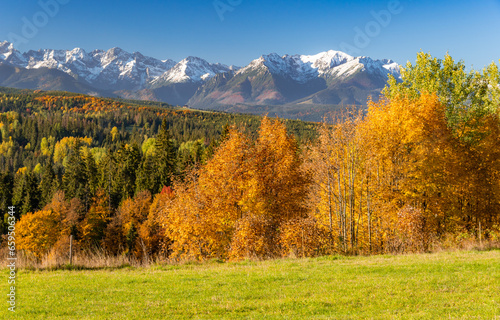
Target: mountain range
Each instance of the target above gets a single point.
(294, 86)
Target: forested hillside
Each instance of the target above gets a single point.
(61, 141)
(419, 168)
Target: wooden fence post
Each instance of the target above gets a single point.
(70, 249)
(480, 235)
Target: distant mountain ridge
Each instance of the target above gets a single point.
(277, 80)
(327, 78)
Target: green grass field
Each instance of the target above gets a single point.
(456, 285)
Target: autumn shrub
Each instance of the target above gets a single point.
(304, 237)
(93, 226)
(132, 214)
(114, 242)
(38, 232)
(59, 253)
(411, 230)
(151, 232)
(255, 237)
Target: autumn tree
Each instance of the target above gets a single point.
(38, 232)
(275, 190)
(132, 213)
(93, 226)
(467, 96)
(152, 231)
(235, 204)
(471, 109)
(200, 220)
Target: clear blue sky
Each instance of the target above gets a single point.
(469, 30)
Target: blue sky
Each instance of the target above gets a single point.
(469, 30)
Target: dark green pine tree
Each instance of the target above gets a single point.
(6, 186)
(214, 144)
(210, 150)
(109, 179)
(26, 195)
(130, 161)
(131, 239)
(75, 178)
(165, 158)
(49, 183)
(146, 175)
(91, 178)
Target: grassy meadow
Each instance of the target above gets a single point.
(446, 285)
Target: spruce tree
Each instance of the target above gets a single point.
(26, 195)
(165, 158)
(146, 175)
(75, 179)
(48, 185)
(6, 186)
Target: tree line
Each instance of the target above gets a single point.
(420, 166)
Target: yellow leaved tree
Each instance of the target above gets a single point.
(38, 232)
(234, 205)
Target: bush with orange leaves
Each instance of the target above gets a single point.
(254, 237)
(410, 234)
(93, 226)
(151, 232)
(136, 229)
(38, 232)
(304, 237)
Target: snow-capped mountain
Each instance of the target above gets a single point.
(300, 68)
(327, 78)
(191, 69)
(114, 69)
(331, 77)
(328, 65)
(10, 55)
(119, 69)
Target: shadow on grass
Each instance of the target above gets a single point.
(73, 267)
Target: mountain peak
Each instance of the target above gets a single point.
(114, 69)
(6, 45)
(304, 68)
(326, 60)
(191, 69)
(6, 49)
(269, 79)
(194, 59)
(116, 50)
(272, 56)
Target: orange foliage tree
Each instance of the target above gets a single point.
(38, 232)
(235, 204)
(92, 228)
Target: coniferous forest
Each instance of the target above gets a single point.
(417, 169)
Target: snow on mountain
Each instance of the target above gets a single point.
(103, 68)
(191, 69)
(10, 55)
(326, 60)
(330, 77)
(330, 64)
(118, 69)
(117, 65)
